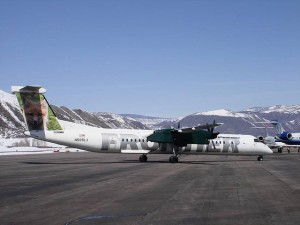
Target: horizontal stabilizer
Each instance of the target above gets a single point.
(28, 89)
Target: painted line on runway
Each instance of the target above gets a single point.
(96, 217)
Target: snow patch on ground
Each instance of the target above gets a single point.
(14, 146)
(34, 150)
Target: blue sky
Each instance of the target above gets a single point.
(155, 57)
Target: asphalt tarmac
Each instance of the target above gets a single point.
(91, 188)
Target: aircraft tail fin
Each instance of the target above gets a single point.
(37, 112)
(277, 126)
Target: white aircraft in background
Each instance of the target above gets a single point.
(43, 124)
(283, 139)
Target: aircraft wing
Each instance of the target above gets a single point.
(183, 137)
(201, 127)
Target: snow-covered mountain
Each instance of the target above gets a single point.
(293, 109)
(12, 124)
(11, 120)
(149, 121)
(220, 112)
(242, 122)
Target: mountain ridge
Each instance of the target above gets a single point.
(13, 125)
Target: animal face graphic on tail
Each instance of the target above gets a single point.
(37, 113)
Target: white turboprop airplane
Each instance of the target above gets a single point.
(43, 124)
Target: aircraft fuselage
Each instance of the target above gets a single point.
(135, 141)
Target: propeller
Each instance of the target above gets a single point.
(213, 135)
(211, 131)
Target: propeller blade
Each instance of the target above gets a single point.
(212, 130)
(213, 143)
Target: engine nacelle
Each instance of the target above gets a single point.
(285, 136)
(261, 138)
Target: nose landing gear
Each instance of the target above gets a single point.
(260, 158)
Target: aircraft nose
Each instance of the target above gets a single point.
(268, 150)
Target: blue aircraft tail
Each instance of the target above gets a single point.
(278, 127)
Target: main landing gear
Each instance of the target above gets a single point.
(173, 159)
(260, 158)
(143, 158)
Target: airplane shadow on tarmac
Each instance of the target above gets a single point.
(213, 162)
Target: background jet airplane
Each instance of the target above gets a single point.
(43, 124)
(281, 139)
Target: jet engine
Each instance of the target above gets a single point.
(285, 136)
(261, 138)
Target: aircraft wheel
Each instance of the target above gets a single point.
(260, 158)
(143, 158)
(173, 159)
